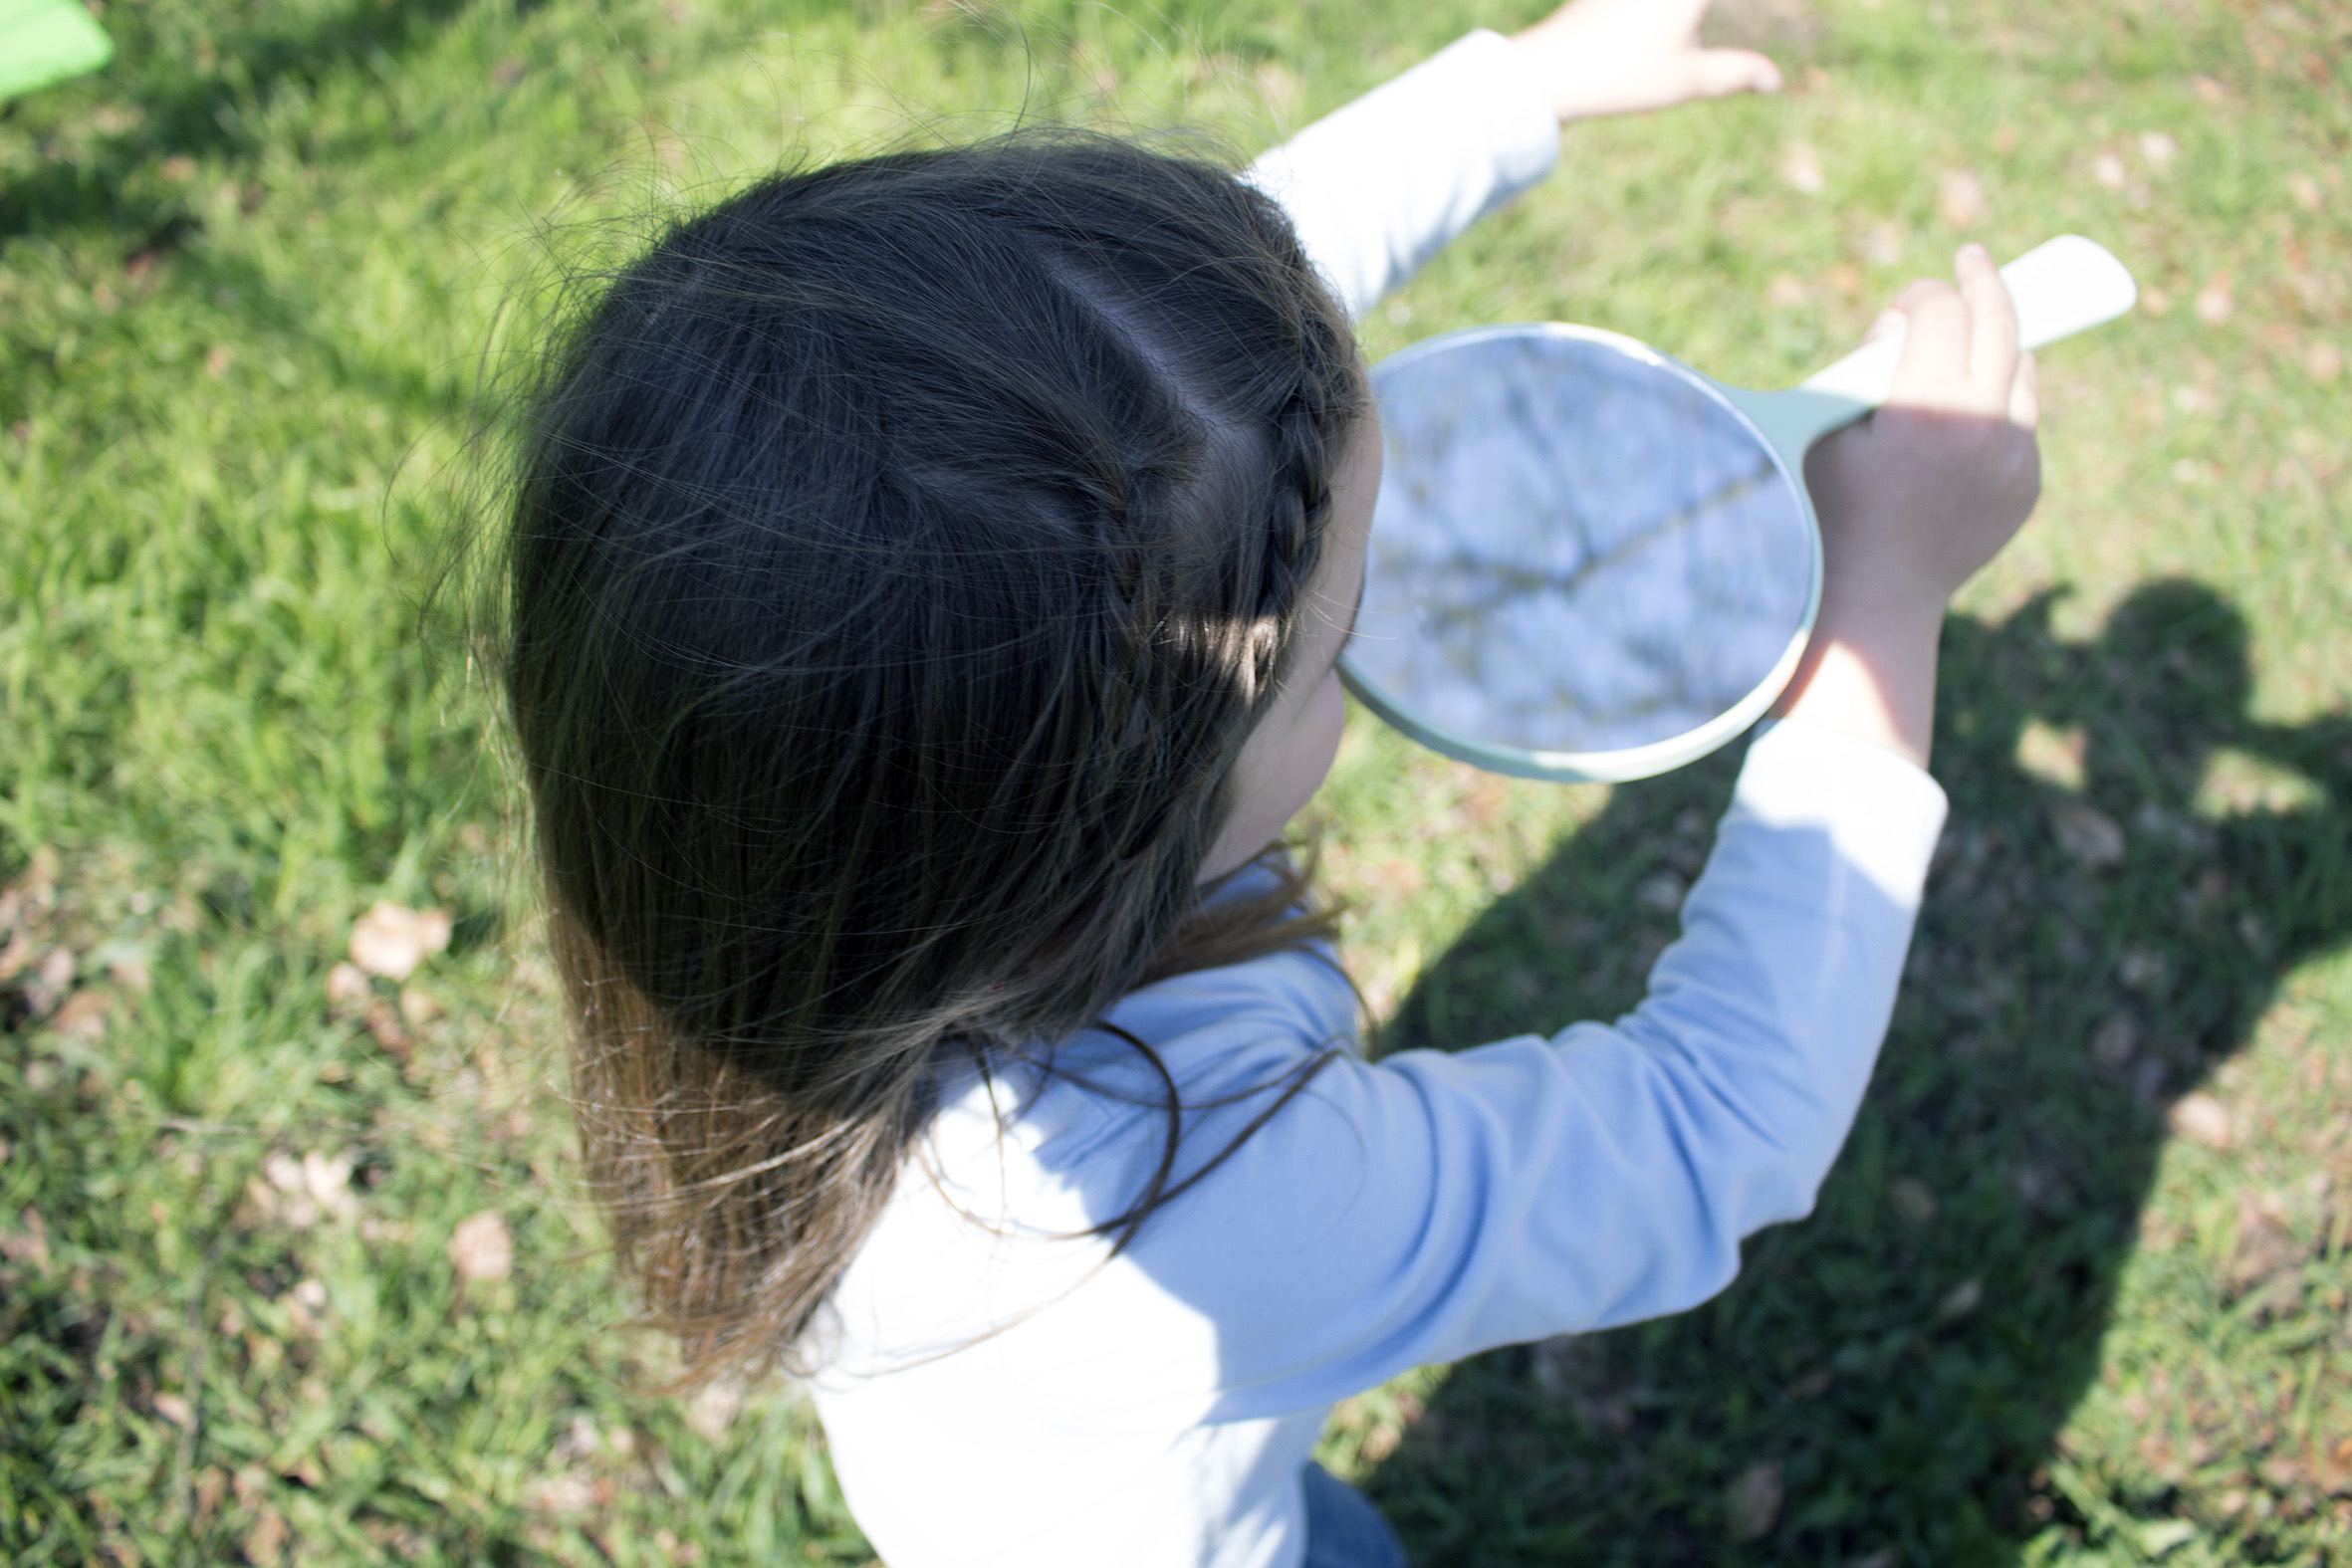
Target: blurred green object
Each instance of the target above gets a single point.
(45, 41)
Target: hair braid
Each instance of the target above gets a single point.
(1325, 393)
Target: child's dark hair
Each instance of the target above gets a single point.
(902, 551)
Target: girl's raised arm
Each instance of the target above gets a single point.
(1429, 1206)
(1380, 186)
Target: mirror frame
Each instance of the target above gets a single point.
(1628, 762)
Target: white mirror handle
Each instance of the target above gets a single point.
(2065, 285)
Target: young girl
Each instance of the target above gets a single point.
(924, 584)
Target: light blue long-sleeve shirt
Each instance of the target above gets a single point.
(1001, 1390)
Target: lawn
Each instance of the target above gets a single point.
(294, 1267)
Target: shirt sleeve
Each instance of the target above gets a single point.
(1433, 1206)
(1380, 186)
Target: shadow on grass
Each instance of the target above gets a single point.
(1909, 1355)
(163, 108)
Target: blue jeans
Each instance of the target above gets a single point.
(1343, 1529)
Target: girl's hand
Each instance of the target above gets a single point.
(1919, 496)
(1621, 57)
(1912, 501)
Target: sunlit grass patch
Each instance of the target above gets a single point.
(292, 1266)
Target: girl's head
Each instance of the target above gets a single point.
(904, 555)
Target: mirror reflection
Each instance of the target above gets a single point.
(1576, 548)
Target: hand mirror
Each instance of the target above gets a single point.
(1590, 562)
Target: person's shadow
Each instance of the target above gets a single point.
(1886, 1381)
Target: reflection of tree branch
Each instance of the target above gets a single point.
(1503, 582)
(1656, 681)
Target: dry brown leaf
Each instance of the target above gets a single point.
(2036, 1185)
(2216, 302)
(306, 1305)
(2115, 1043)
(174, 1410)
(1812, 1385)
(1751, 1504)
(480, 1247)
(1393, 879)
(2056, 754)
(1660, 891)
(265, 1543)
(2087, 834)
(2264, 1246)
(2203, 1120)
(712, 1410)
(1800, 167)
(347, 986)
(1556, 1364)
(580, 1441)
(384, 1022)
(562, 1495)
(327, 1177)
(52, 979)
(1913, 1199)
(391, 940)
(283, 1174)
(131, 971)
(1959, 199)
(29, 1243)
(1279, 88)
(282, 1171)
(1090, 65)
(83, 1015)
(2141, 969)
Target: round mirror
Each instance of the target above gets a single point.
(1585, 561)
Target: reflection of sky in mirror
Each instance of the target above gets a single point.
(1573, 550)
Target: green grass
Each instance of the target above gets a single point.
(250, 278)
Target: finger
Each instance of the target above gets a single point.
(1896, 317)
(1934, 369)
(1917, 289)
(1717, 73)
(2025, 394)
(1993, 324)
